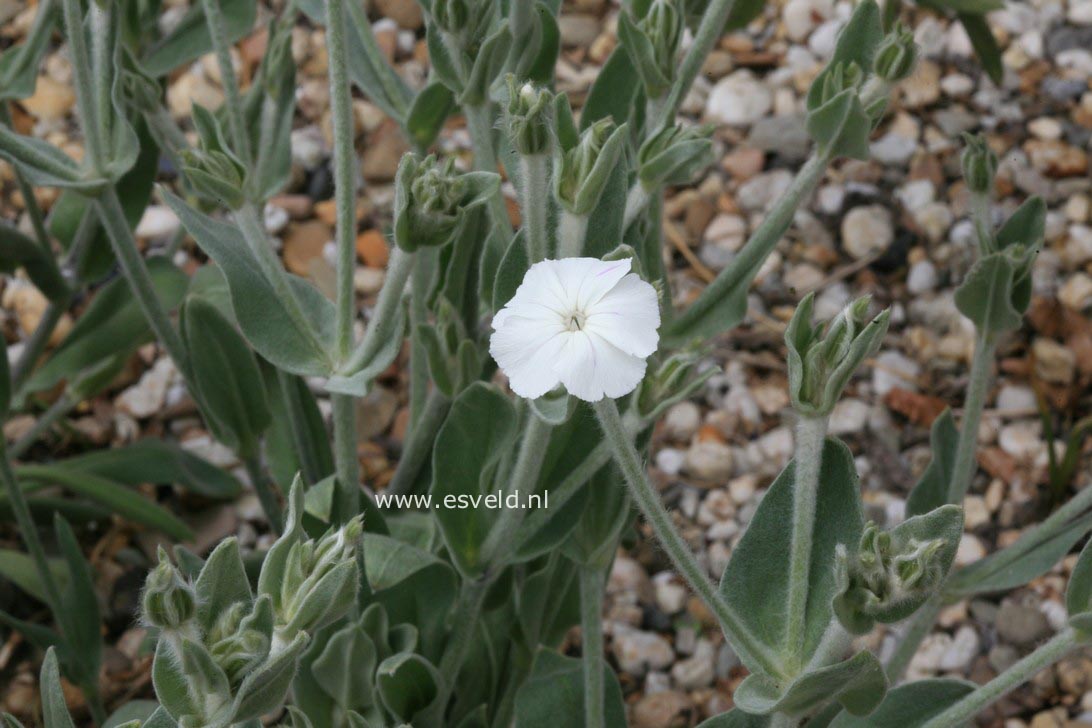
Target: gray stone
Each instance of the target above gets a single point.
(1021, 625)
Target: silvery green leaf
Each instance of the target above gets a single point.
(78, 614)
(44, 165)
(190, 38)
(613, 92)
(985, 45)
(1026, 226)
(642, 54)
(510, 272)
(858, 684)
(857, 43)
(674, 155)
(554, 693)
(297, 718)
(607, 512)
(443, 66)
(388, 562)
(841, 126)
(328, 600)
(931, 490)
(345, 668)
(359, 382)
(477, 433)
(18, 250)
(1033, 554)
(736, 718)
(265, 689)
(274, 566)
(54, 710)
(487, 65)
(534, 51)
(123, 145)
(1078, 595)
(229, 385)
(755, 583)
(409, 687)
(277, 108)
(300, 342)
(160, 719)
(554, 408)
(997, 290)
(428, 112)
(583, 172)
(910, 705)
(19, 64)
(568, 135)
(134, 714)
(221, 583)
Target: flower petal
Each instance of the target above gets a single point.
(525, 348)
(591, 368)
(627, 316)
(586, 280)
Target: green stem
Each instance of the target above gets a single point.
(535, 191)
(637, 200)
(85, 85)
(1017, 674)
(29, 531)
(746, 264)
(419, 441)
(344, 179)
(265, 491)
(810, 434)
(233, 100)
(753, 653)
(419, 371)
(297, 426)
(102, 64)
(591, 630)
(136, 272)
(964, 468)
(464, 624)
(706, 37)
(384, 319)
(346, 462)
(54, 412)
(479, 123)
(571, 232)
(524, 478)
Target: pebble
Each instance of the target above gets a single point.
(867, 230)
(970, 550)
(671, 595)
(738, 99)
(157, 222)
(1054, 362)
(962, 649)
(638, 651)
(577, 30)
(682, 421)
(698, 670)
(848, 417)
(670, 461)
(659, 709)
(922, 277)
(1076, 292)
(893, 369)
(51, 99)
(1022, 440)
(709, 460)
(1021, 625)
(147, 396)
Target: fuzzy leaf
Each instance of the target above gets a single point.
(554, 693)
(190, 39)
(858, 684)
(54, 710)
(910, 705)
(931, 490)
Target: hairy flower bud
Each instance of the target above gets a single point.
(897, 55)
(320, 579)
(452, 16)
(430, 199)
(663, 25)
(823, 358)
(979, 164)
(529, 121)
(842, 76)
(674, 155)
(584, 169)
(169, 601)
(216, 175)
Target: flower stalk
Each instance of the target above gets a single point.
(214, 19)
(591, 631)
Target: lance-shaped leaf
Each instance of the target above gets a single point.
(345, 668)
(229, 386)
(54, 710)
(44, 165)
(221, 583)
(428, 112)
(756, 581)
(997, 290)
(736, 718)
(295, 335)
(910, 705)
(857, 44)
(613, 92)
(410, 688)
(265, 689)
(841, 126)
(1078, 595)
(18, 250)
(190, 39)
(487, 66)
(554, 693)
(535, 47)
(476, 435)
(932, 489)
(19, 64)
(858, 683)
(78, 613)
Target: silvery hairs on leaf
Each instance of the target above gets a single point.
(584, 323)
(822, 358)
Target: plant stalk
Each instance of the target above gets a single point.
(383, 323)
(85, 85)
(963, 470)
(29, 531)
(810, 435)
(480, 125)
(498, 546)
(265, 491)
(535, 189)
(752, 652)
(572, 230)
(1017, 674)
(591, 630)
(346, 462)
(419, 441)
(30, 202)
(464, 625)
(233, 100)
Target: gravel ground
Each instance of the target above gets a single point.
(895, 227)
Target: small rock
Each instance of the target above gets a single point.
(848, 417)
(671, 595)
(659, 709)
(1021, 625)
(709, 460)
(682, 421)
(893, 369)
(578, 30)
(304, 242)
(1054, 363)
(157, 222)
(867, 230)
(970, 550)
(922, 277)
(147, 396)
(383, 153)
(670, 461)
(738, 99)
(698, 670)
(1076, 292)
(638, 651)
(963, 649)
(309, 148)
(406, 15)
(371, 248)
(51, 99)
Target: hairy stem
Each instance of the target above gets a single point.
(709, 31)
(810, 434)
(1017, 674)
(750, 650)
(382, 325)
(265, 491)
(963, 470)
(85, 85)
(419, 371)
(591, 631)
(479, 122)
(346, 462)
(524, 478)
(419, 441)
(535, 191)
(571, 232)
(233, 100)
(297, 426)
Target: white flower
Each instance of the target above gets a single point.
(585, 323)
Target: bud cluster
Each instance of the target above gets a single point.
(528, 117)
(674, 155)
(979, 164)
(583, 170)
(431, 199)
(212, 168)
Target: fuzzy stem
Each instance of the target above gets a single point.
(591, 630)
(746, 264)
(85, 85)
(344, 179)
(265, 491)
(382, 324)
(297, 426)
(480, 125)
(214, 19)
(637, 200)
(419, 371)
(964, 468)
(709, 31)
(64, 404)
(523, 478)
(29, 531)
(464, 625)
(571, 232)
(1017, 674)
(535, 189)
(30, 202)
(346, 462)
(810, 435)
(750, 650)
(911, 637)
(419, 442)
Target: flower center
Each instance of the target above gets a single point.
(574, 320)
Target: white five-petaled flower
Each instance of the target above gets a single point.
(585, 323)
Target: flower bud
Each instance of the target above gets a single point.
(430, 200)
(529, 122)
(452, 16)
(140, 91)
(584, 169)
(169, 601)
(979, 164)
(822, 358)
(320, 579)
(216, 176)
(896, 55)
(674, 154)
(679, 376)
(840, 77)
(663, 25)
